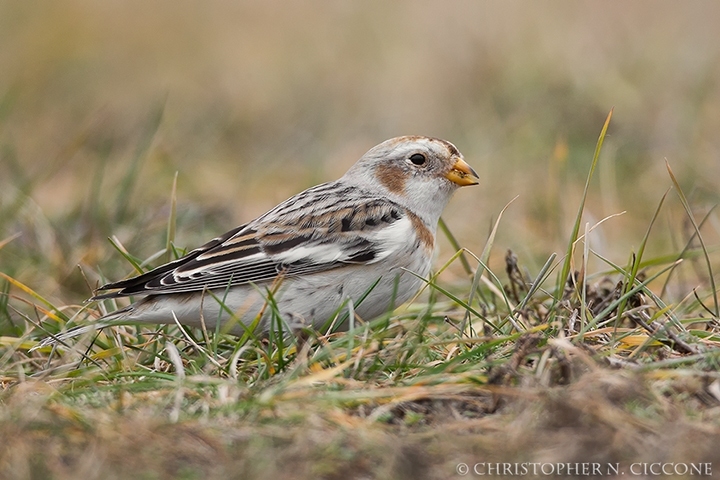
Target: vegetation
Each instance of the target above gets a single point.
(519, 357)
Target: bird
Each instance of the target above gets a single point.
(364, 241)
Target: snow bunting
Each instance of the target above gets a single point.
(355, 240)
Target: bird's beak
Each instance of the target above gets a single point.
(462, 174)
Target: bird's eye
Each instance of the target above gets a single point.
(417, 159)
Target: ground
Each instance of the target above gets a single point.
(573, 319)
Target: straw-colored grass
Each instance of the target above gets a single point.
(160, 136)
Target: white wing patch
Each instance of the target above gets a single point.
(393, 238)
(316, 254)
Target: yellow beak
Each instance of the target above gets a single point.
(462, 174)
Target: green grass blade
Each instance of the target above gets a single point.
(455, 299)
(688, 210)
(565, 271)
(639, 287)
(539, 280)
(456, 245)
(635, 266)
(135, 262)
(687, 251)
(172, 221)
(484, 256)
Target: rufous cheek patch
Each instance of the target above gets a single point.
(392, 178)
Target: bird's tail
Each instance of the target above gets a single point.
(118, 317)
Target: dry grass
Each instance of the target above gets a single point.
(615, 362)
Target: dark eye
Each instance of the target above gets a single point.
(417, 158)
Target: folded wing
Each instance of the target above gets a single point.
(289, 240)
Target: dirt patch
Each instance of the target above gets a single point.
(604, 417)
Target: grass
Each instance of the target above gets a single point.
(160, 128)
(563, 364)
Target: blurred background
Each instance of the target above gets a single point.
(101, 103)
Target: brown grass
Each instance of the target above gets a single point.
(102, 103)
